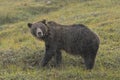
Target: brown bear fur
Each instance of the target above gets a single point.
(75, 39)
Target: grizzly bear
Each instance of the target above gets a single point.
(76, 39)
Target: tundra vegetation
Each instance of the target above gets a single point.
(20, 53)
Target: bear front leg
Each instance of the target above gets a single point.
(58, 57)
(47, 57)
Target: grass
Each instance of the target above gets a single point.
(21, 53)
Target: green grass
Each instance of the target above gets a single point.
(21, 53)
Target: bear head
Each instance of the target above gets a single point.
(39, 29)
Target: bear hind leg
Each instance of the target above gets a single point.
(89, 61)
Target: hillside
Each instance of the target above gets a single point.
(21, 53)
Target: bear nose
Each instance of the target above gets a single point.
(39, 33)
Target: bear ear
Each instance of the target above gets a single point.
(29, 25)
(44, 21)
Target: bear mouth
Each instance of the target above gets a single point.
(40, 38)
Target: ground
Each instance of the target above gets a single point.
(20, 52)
